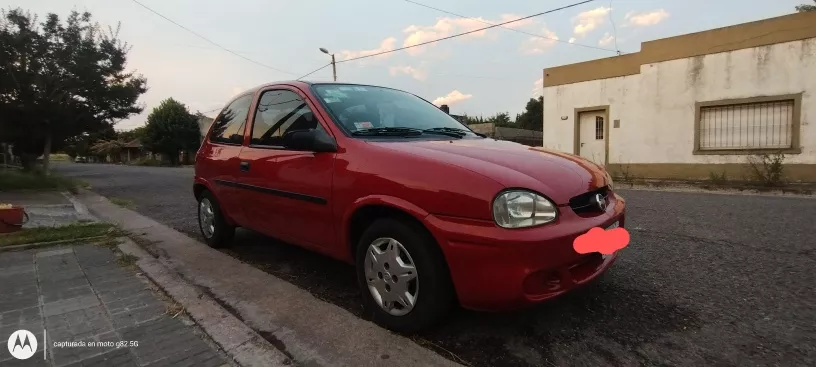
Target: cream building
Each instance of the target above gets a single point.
(687, 106)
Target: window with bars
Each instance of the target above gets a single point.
(747, 126)
(599, 128)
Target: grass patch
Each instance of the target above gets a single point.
(13, 180)
(127, 260)
(125, 203)
(69, 232)
(59, 157)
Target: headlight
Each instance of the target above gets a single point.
(522, 208)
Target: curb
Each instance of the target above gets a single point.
(236, 339)
(27, 246)
(257, 319)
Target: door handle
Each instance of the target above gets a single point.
(244, 166)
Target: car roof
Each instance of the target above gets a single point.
(306, 84)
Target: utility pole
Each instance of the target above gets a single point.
(333, 64)
(334, 68)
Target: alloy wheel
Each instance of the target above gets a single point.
(391, 276)
(206, 218)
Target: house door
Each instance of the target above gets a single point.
(592, 138)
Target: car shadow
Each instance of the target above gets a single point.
(607, 316)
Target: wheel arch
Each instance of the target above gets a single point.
(366, 210)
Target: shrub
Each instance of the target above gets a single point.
(717, 179)
(768, 168)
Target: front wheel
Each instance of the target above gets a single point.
(215, 229)
(403, 277)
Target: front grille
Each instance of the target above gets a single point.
(586, 202)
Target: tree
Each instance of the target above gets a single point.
(171, 129)
(135, 134)
(805, 7)
(501, 119)
(60, 81)
(533, 116)
(110, 148)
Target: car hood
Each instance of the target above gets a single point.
(558, 175)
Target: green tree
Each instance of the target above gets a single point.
(80, 145)
(171, 129)
(135, 134)
(533, 116)
(501, 119)
(805, 7)
(110, 148)
(60, 80)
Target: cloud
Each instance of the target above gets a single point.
(444, 27)
(587, 21)
(572, 40)
(538, 87)
(538, 45)
(452, 98)
(385, 45)
(606, 39)
(646, 19)
(416, 73)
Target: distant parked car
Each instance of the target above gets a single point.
(81, 160)
(430, 212)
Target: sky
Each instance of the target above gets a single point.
(483, 73)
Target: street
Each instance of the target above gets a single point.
(707, 279)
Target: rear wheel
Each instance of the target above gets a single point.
(403, 276)
(215, 229)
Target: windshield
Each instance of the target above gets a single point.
(362, 108)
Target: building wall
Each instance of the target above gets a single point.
(656, 107)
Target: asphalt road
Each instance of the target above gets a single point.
(707, 279)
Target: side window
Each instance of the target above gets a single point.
(279, 112)
(229, 127)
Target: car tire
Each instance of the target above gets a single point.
(220, 233)
(434, 297)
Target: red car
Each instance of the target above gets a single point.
(431, 213)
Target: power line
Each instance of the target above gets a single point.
(212, 42)
(469, 32)
(314, 71)
(614, 29)
(510, 29)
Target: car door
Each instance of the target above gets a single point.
(218, 161)
(291, 197)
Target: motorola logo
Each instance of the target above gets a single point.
(22, 344)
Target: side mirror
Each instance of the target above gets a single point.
(309, 140)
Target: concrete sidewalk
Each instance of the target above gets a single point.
(81, 294)
(48, 208)
(307, 330)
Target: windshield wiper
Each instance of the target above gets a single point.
(389, 131)
(452, 130)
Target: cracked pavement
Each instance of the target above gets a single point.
(708, 279)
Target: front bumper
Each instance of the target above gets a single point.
(499, 269)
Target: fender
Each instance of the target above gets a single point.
(381, 200)
(208, 186)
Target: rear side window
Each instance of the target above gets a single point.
(229, 127)
(279, 112)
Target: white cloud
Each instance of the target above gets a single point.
(646, 19)
(538, 87)
(606, 39)
(538, 45)
(416, 73)
(572, 40)
(386, 45)
(444, 27)
(587, 21)
(452, 98)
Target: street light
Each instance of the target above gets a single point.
(334, 67)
